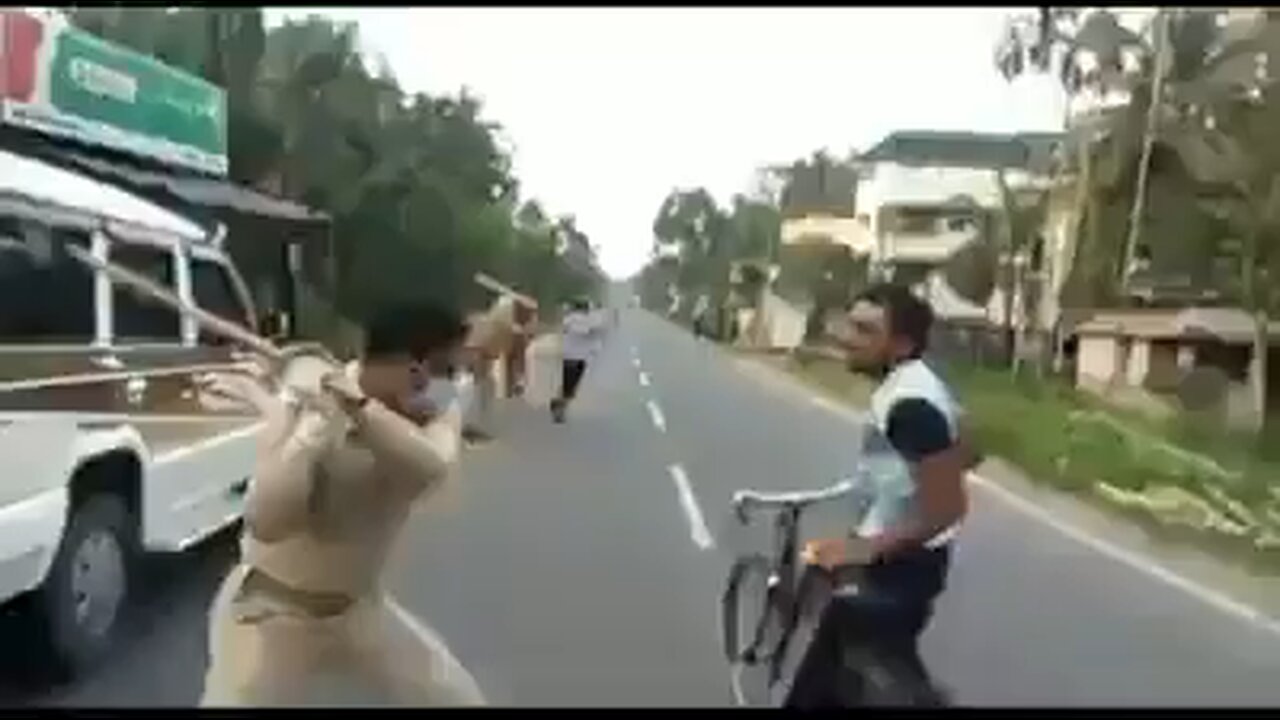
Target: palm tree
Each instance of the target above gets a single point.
(1092, 55)
(1113, 146)
(1209, 96)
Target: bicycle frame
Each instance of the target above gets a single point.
(788, 582)
(791, 584)
(782, 578)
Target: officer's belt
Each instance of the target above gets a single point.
(318, 604)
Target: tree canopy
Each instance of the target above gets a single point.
(421, 192)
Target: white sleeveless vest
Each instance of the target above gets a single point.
(887, 489)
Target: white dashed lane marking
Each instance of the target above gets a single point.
(655, 414)
(698, 531)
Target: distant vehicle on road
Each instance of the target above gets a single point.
(108, 449)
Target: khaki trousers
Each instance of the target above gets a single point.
(516, 368)
(265, 652)
(481, 415)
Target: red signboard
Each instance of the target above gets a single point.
(20, 38)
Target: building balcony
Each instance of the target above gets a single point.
(829, 230)
(930, 248)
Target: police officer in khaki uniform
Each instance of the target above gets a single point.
(516, 367)
(493, 334)
(303, 619)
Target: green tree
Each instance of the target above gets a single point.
(690, 224)
(421, 194)
(757, 228)
(1227, 120)
(819, 185)
(1130, 199)
(1214, 116)
(1056, 40)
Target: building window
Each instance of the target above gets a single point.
(913, 221)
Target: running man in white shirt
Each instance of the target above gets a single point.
(580, 338)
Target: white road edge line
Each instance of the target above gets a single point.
(644, 379)
(699, 533)
(655, 414)
(450, 670)
(1209, 596)
(735, 684)
(1149, 567)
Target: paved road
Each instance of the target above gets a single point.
(573, 570)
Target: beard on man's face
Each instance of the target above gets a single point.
(864, 362)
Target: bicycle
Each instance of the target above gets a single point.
(793, 594)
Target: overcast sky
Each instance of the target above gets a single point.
(610, 108)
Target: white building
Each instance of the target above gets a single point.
(924, 196)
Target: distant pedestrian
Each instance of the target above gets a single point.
(579, 340)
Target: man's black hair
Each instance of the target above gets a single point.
(414, 330)
(908, 316)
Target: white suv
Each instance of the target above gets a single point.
(106, 447)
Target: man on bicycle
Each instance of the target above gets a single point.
(913, 465)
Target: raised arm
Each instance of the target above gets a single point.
(422, 455)
(280, 494)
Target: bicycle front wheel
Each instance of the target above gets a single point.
(752, 623)
(745, 609)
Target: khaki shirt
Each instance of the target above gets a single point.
(330, 496)
(494, 331)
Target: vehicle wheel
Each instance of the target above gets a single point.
(79, 606)
(747, 611)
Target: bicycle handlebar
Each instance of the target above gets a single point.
(792, 499)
